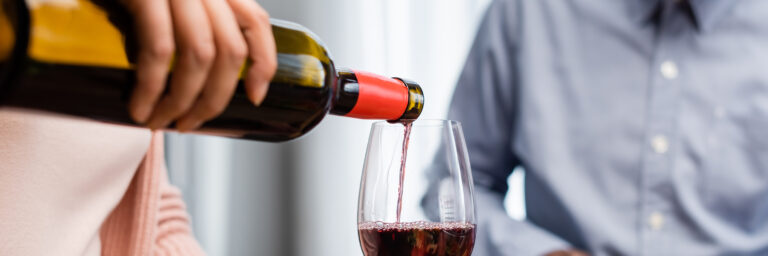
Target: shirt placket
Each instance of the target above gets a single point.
(661, 137)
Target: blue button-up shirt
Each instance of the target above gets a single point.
(642, 126)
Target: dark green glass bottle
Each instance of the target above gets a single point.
(77, 61)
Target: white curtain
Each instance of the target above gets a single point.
(300, 197)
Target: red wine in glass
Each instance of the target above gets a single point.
(417, 238)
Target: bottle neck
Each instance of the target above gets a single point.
(369, 96)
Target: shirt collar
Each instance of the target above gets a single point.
(642, 11)
(705, 12)
(708, 12)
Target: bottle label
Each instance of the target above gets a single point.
(379, 97)
(75, 32)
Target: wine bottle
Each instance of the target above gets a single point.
(75, 57)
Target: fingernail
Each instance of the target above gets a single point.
(257, 96)
(253, 96)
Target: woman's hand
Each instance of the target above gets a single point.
(211, 39)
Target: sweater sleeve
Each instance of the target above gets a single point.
(174, 235)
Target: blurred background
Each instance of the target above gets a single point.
(300, 197)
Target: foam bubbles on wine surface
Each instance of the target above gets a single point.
(380, 225)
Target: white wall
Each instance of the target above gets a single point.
(300, 198)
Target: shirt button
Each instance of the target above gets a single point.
(660, 144)
(656, 221)
(669, 70)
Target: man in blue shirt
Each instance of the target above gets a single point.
(642, 126)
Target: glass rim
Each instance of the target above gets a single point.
(418, 123)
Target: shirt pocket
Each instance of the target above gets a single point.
(736, 171)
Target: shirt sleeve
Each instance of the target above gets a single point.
(484, 102)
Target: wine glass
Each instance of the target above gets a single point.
(416, 192)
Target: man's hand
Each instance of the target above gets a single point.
(571, 252)
(211, 40)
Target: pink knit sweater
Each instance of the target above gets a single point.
(75, 187)
(151, 218)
